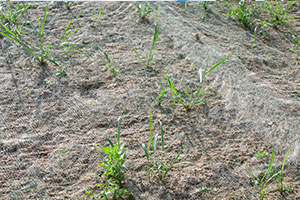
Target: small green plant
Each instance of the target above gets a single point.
(188, 101)
(60, 153)
(111, 191)
(205, 7)
(158, 166)
(295, 49)
(143, 9)
(38, 49)
(111, 65)
(12, 15)
(277, 14)
(270, 174)
(96, 17)
(152, 51)
(113, 164)
(241, 13)
(260, 155)
(203, 189)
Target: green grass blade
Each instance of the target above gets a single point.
(162, 136)
(44, 20)
(118, 136)
(71, 33)
(216, 66)
(110, 142)
(150, 130)
(106, 56)
(146, 151)
(286, 155)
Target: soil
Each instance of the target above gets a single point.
(253, 104)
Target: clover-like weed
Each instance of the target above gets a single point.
(157, 165)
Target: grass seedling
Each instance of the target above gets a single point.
(96, 18)
(150, 55)
(59, 154)
(241, 13)
(38, 49)
(183, 97)
(295, 49)
(158, 166)
(270, 174)
(281, 188)
(12, 15)
(111, 65)
(277, 14)
(143, 9)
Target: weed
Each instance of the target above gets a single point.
(158, 166)
(111, 191)
(241, 13)
(113, 163)
(295, 49)
(59, 154)
(96, 18)
(188, 101)
(149, 56)
(205, 7)
(111, 65)
(143, 9)
(203, 189)
(12, 15)
(42, 50)
(270, 174)
(277, 14)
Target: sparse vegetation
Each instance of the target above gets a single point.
(201, 135)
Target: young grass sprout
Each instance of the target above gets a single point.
(270, 174)
(110, 64)
(143, 9)
(150, 55)
(42, 51)
(183, 97)
(158, 166)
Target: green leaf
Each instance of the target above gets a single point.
(106, 150)
(215, 66)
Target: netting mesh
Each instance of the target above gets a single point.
(48, 125)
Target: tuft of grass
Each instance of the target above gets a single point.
(183, 96)
(110, 64)
(271, 173)
(12, 15)
(241, 13)
(143, 9)
(150, 55)
(38, 49)
(158, 166)
(277, 14)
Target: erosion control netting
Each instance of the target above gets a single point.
(253, 104)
